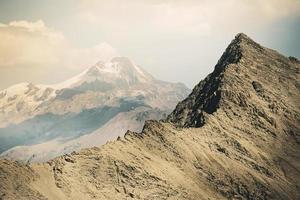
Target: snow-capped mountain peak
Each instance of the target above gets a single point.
(120, 66)
(117, 69)
(103, 67)
(109, 97)
(101, 84)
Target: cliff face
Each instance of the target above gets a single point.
(238, 80)
(235, 137)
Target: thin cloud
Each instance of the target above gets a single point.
(184, 17)
(34, 48)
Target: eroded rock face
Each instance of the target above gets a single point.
(235, 137)
(238, 78)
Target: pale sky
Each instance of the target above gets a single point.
(179, 41)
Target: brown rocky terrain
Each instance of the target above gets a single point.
(235, 137)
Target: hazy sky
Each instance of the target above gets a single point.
(178, 41)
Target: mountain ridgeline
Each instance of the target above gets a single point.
(40, 122)
(236, 136)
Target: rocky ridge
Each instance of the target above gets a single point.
(236, 136)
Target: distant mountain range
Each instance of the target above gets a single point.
(39, 122)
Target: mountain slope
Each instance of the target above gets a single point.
(235, 137)
(115, 127)
(33, 116)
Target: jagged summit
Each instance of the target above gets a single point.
(243, 37)
(239, 47)
(231, 80)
